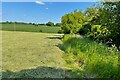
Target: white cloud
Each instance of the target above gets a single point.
(46, 8)
(39, 2)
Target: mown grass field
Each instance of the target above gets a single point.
(30, 28)
(28, 50)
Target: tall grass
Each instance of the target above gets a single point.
(95, 59)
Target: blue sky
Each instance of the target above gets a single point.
(39, 12)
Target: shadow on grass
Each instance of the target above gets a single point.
(54, 37)
(61, 47)
(41, 72)
(52, 72)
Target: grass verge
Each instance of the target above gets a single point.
(93, 59)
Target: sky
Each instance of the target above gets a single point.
(40, 12)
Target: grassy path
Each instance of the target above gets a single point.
(28, 54)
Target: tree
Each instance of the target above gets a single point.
(50, 24)
(90, 13)
(7, 21)
(72, 22)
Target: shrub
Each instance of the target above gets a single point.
(60, 31)
(40, 30)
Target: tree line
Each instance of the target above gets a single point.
(47, 24)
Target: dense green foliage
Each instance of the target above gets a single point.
(50, 24)
(29, 28)
(72, 22)
(101, 23)
(110, 17)
(92, 58)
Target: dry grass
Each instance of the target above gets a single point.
(26, 50)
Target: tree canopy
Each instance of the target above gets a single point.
(50, 24)
(72, 22)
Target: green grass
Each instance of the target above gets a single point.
(30, 28)
(94, 59)
(26, 50)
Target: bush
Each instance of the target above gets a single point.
(40, 30)
(60, 31)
